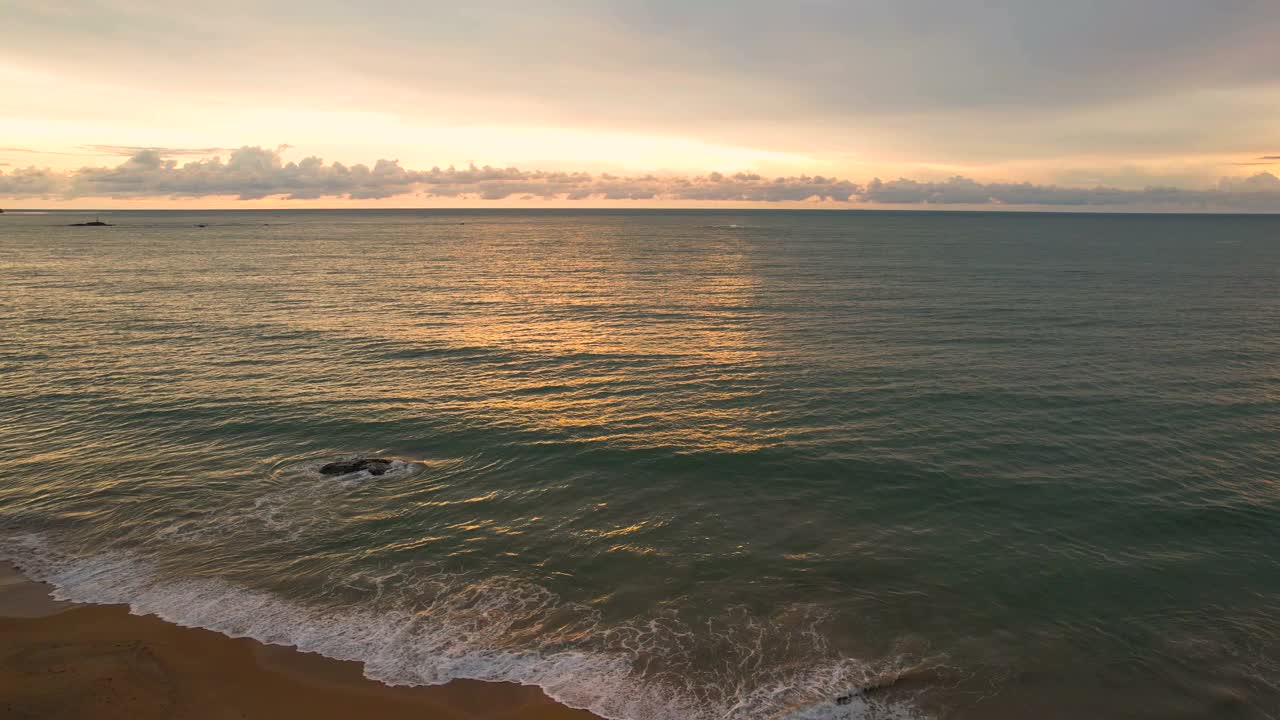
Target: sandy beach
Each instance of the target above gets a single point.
(63, 661)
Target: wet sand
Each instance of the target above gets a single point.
(62, 661)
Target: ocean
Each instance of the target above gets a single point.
(671, 465)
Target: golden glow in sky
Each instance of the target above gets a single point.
(961, 99)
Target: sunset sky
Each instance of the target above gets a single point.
(1143, 104)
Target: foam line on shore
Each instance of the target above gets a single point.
(462, 636)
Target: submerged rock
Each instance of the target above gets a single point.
(373, 466)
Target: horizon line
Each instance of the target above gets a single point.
(763, 208)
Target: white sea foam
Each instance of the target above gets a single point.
(493, 629)
(296, 500)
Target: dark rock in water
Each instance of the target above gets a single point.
(844, 699)
(95, 223)
(373, 466)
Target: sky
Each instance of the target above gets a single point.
(1088, 104)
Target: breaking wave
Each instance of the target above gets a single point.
(431, 629)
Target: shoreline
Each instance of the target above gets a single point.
(60, 659)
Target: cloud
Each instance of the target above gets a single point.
(1270, 157)
(32, 152)
(1259, 192)
(130, 150)
(122, 151)
(253, 173)
(33, 182)
(249, 173)
(1260, 183)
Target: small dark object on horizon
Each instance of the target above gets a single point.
(95, 223)
(374, 466)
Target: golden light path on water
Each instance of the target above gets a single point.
(671, 465)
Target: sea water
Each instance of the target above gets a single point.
(671, 465)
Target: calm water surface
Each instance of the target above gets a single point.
(672, 465)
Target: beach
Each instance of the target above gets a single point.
(61, 660)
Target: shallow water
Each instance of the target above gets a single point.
(686, 465)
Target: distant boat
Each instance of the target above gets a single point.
(97, 222)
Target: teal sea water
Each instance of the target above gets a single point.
(671, 465)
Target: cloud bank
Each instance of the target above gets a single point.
(251, 173)
(1259, 192)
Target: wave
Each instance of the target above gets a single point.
(494, 629)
